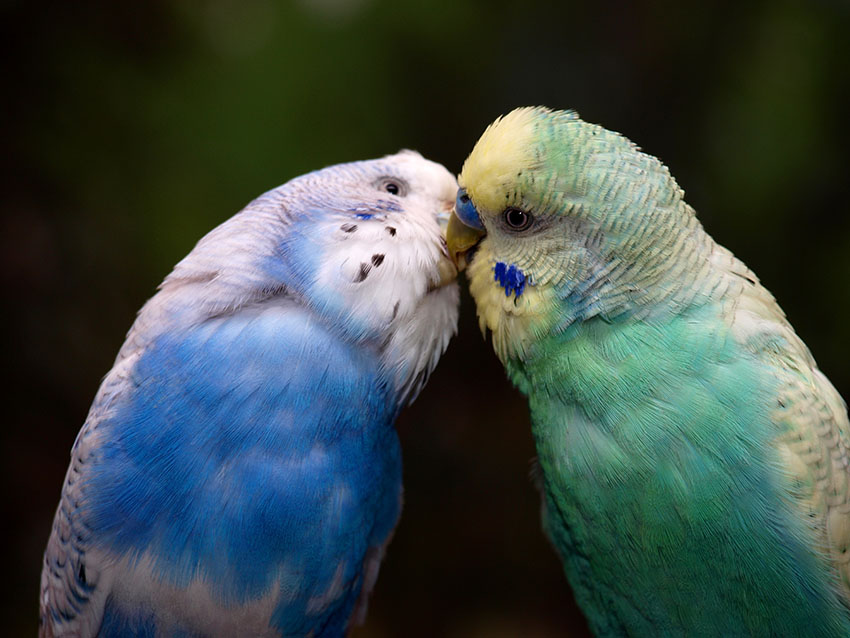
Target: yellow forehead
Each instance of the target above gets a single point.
(503, 150)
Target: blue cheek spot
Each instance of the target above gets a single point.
(511, 278)
(466, 211)
(387, 205)
(368, 211)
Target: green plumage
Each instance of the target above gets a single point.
(694, 460)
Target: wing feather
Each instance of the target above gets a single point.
(813, 431)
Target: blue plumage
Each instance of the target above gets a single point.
(239, 473)
(251, 417)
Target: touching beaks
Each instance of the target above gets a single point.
(460, 239)
(465, 230)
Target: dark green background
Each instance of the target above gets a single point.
(134, 128)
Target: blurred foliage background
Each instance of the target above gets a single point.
(134, 128)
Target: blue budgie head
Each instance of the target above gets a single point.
(359, 245)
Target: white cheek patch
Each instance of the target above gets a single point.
(383, 274)
(377, 269)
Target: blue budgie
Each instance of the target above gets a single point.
(239, 472)
(693, 459)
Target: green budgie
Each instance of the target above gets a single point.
(694, 460)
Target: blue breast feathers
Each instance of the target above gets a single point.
(252, 448)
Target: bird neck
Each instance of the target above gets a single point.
(646, 269)
(602, 361)
(611, 301)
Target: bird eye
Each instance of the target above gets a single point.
(517, 219)
(392, 185)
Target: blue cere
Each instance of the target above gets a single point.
(511, 278)
(466, 211)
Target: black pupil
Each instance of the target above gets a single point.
(392, 188)
(516, 218)
(464, 198)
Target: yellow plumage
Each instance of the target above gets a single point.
(504, 146)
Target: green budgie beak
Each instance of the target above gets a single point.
(465, 230)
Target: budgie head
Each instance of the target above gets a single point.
(559, 221)
(359, 245)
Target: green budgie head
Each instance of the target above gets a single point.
(576, 223)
